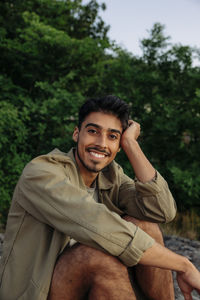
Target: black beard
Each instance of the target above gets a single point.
(93, 170)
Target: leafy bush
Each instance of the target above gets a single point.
(54, 55)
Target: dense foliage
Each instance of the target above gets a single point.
(54, 55)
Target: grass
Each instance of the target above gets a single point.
(186, 224)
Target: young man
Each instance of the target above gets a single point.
(77, 221)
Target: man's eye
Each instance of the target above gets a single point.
(113, 136)
(92, 131)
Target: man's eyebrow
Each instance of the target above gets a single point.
(100, 127)
(93, 124)
(115, 130)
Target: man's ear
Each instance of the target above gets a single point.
(75, 134)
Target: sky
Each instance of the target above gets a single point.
(130, 21)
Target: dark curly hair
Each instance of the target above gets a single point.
(108, 104)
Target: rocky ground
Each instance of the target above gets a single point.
(183, 246)
(1, 243)
(188, 248)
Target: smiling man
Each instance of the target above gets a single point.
(79, 228)
(98, 141)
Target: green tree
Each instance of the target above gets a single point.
(13, 134)
(50, 61)
(162, 88)
(53, 56)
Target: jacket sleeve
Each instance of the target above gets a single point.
(151, 201)
(47, 194)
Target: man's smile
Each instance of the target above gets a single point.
(97, 153)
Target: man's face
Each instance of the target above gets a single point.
(98, 141)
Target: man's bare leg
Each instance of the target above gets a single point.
(82, 270)
(157, 284)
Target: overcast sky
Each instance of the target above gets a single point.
(130, 20)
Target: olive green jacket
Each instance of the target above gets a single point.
(50, 204)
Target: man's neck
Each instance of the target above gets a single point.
(89, 181)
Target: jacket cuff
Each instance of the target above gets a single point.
(153, 186)
(135, 249)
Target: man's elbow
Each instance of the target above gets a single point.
(170, 215)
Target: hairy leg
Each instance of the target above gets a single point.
(82, 270)
(156, 283)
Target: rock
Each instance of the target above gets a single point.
(1, 243)
(188, 248)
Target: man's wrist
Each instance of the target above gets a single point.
(129, 144)
(186, 266)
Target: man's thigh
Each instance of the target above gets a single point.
(77, 266)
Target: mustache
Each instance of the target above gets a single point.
(99, 150)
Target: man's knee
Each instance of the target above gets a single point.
(91, 260)
(151, 228)
(98, 260)
(82, 268)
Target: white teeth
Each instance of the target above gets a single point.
(97, 154)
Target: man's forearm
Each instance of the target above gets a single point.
(161, 257)
(188, 276)
(143, 169)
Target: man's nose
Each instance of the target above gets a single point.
(102, 141)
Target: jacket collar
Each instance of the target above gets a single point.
(103, 182)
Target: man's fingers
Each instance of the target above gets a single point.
(131, 122)
(187, 296)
